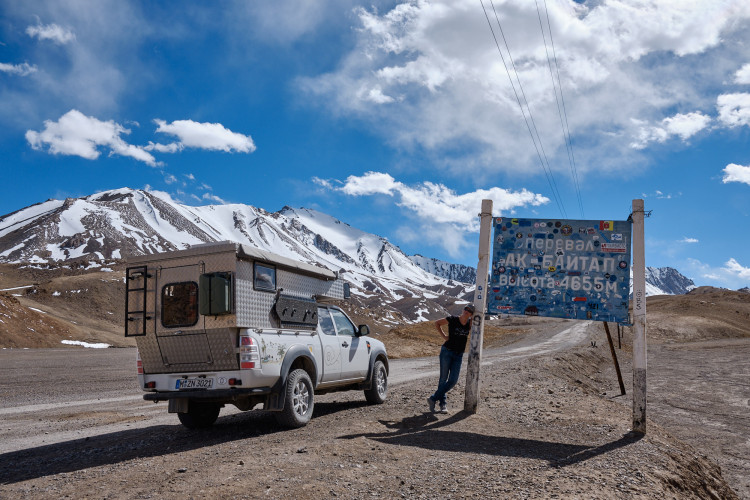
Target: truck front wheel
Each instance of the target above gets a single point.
(378, 391)
(298, 400)
(199, 415)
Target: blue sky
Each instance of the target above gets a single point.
(395, 117)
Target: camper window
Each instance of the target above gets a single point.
(265, 277)
(179, 304)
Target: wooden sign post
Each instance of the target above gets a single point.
(480, 300)
(639, 319)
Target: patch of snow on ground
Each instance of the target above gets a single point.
(11, 250)
(421, 315)
(85, 344)
(37, 310)
(15, 288)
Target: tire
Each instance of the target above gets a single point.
(299, 400)
(378, 393)
(200, 415)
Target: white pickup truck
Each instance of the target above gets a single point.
(225, 323)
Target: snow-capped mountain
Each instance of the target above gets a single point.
(454, 272)
(666, 281)
(121, 223)
(124, 222)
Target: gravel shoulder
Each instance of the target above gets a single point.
(549, 425)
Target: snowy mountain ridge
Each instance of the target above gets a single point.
(121, 223)
(667, 281)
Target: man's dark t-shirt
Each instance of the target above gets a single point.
(457, 334)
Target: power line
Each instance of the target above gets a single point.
(534, 139)
(531, 117)
(560, 103)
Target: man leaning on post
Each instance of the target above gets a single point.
(451, 354)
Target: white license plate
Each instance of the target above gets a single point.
(194, 383)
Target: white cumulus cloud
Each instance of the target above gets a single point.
(736, 173)
(22, 69)
(681, 125)
(76, 134)
(429, 75)
(211, 136)
(52, 32)
(743, 75)
(734, 109)
(735, 268)
(442, 216)
(173, 147)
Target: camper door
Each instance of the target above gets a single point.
(180, 329)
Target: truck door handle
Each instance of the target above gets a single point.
(345, 344)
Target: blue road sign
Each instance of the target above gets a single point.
(577, 269)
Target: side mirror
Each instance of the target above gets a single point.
(363, 331)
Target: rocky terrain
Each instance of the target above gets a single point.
(551, 422)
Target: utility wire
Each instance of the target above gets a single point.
(534, 139)
(561, 103)
(531, 117)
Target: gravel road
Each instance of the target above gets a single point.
(74, 425)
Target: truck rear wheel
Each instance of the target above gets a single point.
(378, 391)
(200, 415)
(298, 400)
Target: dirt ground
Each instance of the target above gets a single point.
(551, 425)
(548, 426)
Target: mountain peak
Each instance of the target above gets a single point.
(126, 222)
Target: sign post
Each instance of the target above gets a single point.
(480, 299)
(639, 319)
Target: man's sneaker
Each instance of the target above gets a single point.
(431, 403)
(443, 408)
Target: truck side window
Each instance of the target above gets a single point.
(179, 304)
(325, 321)
(343, 325)
(265, 277)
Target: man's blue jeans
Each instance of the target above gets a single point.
(450, 368)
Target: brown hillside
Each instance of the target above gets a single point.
(22, 327)
(63, 303)
(705, 313)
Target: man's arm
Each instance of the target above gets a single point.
(439, 325)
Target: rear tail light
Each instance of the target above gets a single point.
(150, 385)
(139, 363)
(249, 354)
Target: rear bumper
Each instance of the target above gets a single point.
(218, 395)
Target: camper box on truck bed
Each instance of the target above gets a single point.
(225, 323)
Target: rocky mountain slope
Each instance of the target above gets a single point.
(101, 229)
(668, 280)
(113, 225)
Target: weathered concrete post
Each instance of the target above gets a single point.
(639, 319)
(480, 306)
